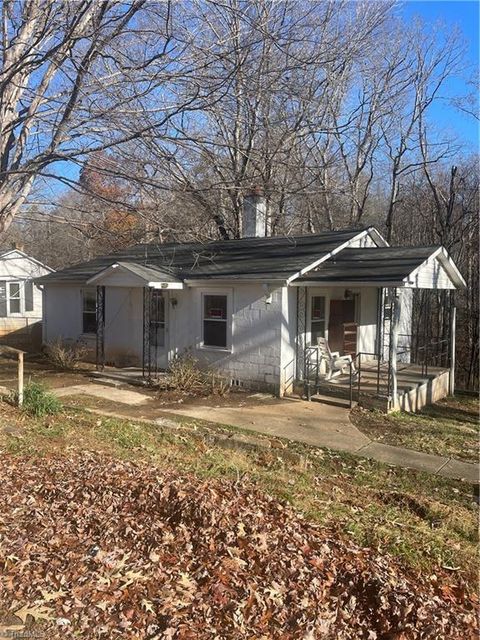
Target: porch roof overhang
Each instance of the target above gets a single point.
(131, 274)
(409, 267)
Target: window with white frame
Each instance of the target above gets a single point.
(14, 298)
(89, 311)
(317, 319)
(215, 321)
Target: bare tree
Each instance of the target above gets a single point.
(273, 67)
(78, 77)
(418, 78)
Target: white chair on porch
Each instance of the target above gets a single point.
(335, 363)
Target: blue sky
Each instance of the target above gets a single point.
(465, 15)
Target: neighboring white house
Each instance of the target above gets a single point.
(248, 307)
(21, 299)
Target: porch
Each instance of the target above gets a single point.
(397, 341)
(371, 387)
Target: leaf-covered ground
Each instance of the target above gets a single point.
(93, 546)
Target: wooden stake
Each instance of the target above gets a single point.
(20, 378)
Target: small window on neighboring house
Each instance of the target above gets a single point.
(215, 321)
(29, 295)
(157, 319)
(89, 311)
(317, 326)
(14, 297)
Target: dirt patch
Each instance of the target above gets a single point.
(411, 503)
(165, 401)
(234, 398)
(38, 369)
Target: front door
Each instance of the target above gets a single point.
(342, 330)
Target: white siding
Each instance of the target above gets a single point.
(62, 312)
(123, 321)
(254, 358)
(124, 326)
(16, 267)
(22, 330)
(261, 351)
(430, 275)
(362, 243)
(367, 326)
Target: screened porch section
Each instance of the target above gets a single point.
(410, 360)
(405, 370)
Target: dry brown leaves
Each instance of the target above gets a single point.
(94, 547)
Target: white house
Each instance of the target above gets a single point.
(20, 298)
(251, 308)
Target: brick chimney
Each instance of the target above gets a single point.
(254, 214)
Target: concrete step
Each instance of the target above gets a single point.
(333, 400)
(118, 379)
(334, 391)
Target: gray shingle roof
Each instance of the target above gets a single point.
(248, 258)
(383, 264)
(149, 274)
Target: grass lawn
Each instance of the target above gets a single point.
(427, 522)
(449, 427)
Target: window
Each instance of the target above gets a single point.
(89, 311)
(317, 325)
(28, 295)
(215, 321)
(14, 297)
(157, 319)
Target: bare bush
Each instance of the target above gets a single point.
(65, 355)
(186, 375)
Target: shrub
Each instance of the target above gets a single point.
(185, 374)
(39, 402)
(65, 355)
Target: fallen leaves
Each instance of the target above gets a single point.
(94, 547)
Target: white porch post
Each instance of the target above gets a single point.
(301, 330)
(396, 311)
(453, 322)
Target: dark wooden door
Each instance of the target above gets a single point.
(342, 331)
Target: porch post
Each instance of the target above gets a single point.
(100, 337)
(396, 310)
(147, 359)
(301, 330)
(453, 323)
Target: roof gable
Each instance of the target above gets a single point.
(126, 274)
(16, 263)
(411, 267)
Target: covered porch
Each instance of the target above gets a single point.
(132, 321)
(399, 351)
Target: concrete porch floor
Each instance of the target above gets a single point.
(409, 376)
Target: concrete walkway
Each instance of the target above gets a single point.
(327, 426)
(311, 423)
